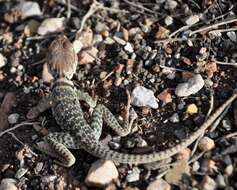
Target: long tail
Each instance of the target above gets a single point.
(102, 151)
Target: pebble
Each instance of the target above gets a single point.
(226, 124)
(193, 19)
(142, 96)
(13, 70)
(8, 184)
(31, 27)
(3, 61)
(97, 38)
(125, 34)
(208, 183)
(13, 118)
(159, 184)
(85, 37)
(133, 175)
(101, 173)
(192, 109)
(192, 86)
(38, 167)
(48, 178)
(220, 180)
(196, 166)
(119, 40)
(174, 118)
(174, 175)
(165, 96)
(184, 154)
(169, 20)
(162, 33)
(87, 56)
(171, 4)
(232, 36)
(229, 170)
(77, 45)
(28, 9)
(51, 25)
(114, 145)
(108, 41)
(206, 144)
(20, 173)
(141, 143)
(128, 47)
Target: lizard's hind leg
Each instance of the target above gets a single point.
(59, 144)
(103, 113)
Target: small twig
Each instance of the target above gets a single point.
(195, 158)
(218, 120)
(107, 76)
(172, 68)
(179, 30)
(229, 135)
(39, 62)
(226, 63)
(223, 30)
(95, 6)
(69, 12)
(211, 102)
(140, 7)
(212, 26)
(170, 40)
(17, 126)
(23, 144)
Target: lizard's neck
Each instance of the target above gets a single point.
(62, 81)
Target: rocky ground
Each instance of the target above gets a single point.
(177, 59)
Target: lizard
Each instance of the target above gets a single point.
(64, 100)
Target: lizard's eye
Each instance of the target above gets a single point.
(67, 45)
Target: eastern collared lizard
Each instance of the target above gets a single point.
(77, 133)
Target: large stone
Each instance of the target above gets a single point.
(101, 173)
(51, 25)
(192, 86)
(159, 184)
(142, 96)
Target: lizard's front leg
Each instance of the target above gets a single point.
(44, 104)
(59, 142)
(84, 96)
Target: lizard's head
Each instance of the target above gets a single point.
(61, 58)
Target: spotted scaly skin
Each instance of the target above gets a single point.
(77, 133)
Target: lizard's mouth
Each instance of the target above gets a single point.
(61, 58)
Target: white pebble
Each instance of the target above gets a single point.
(232, 36)
(169, 20)
(206, 144)
(77, 45)
(28, 9)
(128, 47)
(8, 184)
(133, 175)
(13, 118)
(192, 86)
(51, 25)
(193, 19)
(119, 40)
(142, 96)
(3, 61)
